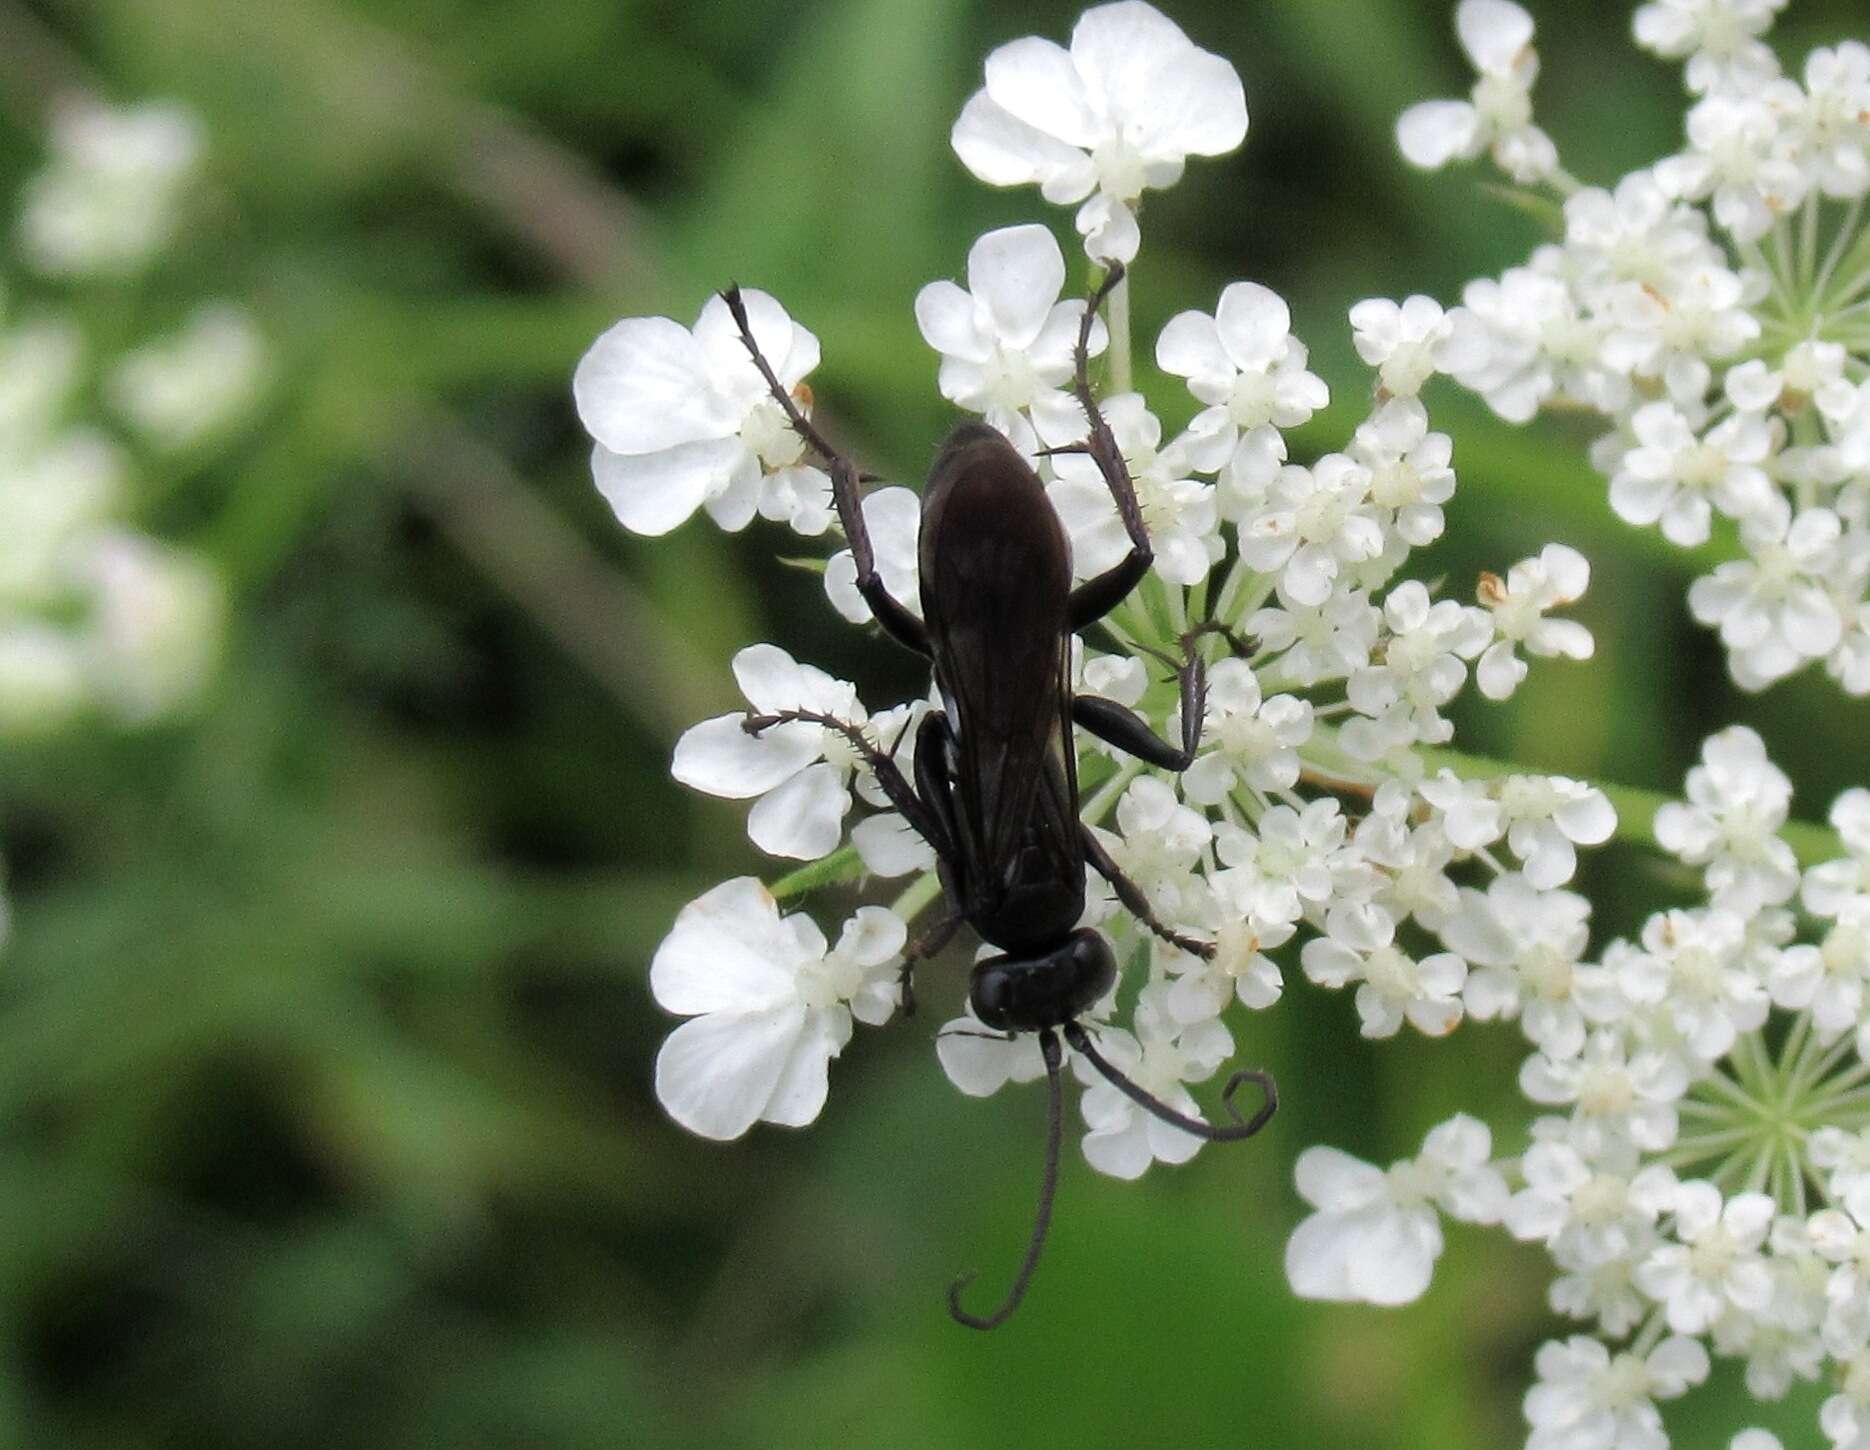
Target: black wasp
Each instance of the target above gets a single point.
(996, 781)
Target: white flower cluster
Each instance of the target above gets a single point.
(1700, 1173)
(95, 614)
(1315, 820)
(1713, 307)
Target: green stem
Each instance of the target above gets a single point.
(1808, 242)
(843, 864)
(1117, 319)
(1836, 252)
(920, 892)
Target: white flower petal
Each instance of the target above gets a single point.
(1016, 273)
(727, 952)
(1430, 134)
(1034, 81)
(1197, 108)
(799, 1095)
(1190, 347)
(1003, 150)
(716, 1074)
(945, 313)
(652, 493)
(644, 386)
(1335, 1182)
(719, 757)
(1493, 33)
(804, 818)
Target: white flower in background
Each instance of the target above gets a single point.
(49, 500)
(41, 362)
(1399, 340)
(1377, 1233)
(1843, 1161)
(1495, 343)
(1845, 1417)
(1737, 163)
(1616, 1096)
(179, 390)
(1255, 740)
(683, 420)
(770, 1006)
(1179, 511)
(1497, 36)
(1162, 843)
(1313, 644)
(153, 627)
(894, 519)
(1293, 861)
(1592, 1212)
(1719, 38)
(1716, 1261)
(1118, 113)
(1634, 234)
(43, 684)
(1672, 475)
(800, 770)
(1671, 332)
(1161, 1058)
(1006, 342)
(1316, 523)
(1833, 885)
(112, 196)
(1586, 1399)
(1525, 950)
(1737, 801)
(1422, 669)
(1546, 817)
(1409, 474)
(1392, 984)
(1411, 861)
(1774, 608)
(1834, 136)
(1832, 977)
(1519, 603)
(1243, 362)
(1239, 968)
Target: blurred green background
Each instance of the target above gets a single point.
(325, 1044)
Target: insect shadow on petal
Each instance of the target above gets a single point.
(995, 792)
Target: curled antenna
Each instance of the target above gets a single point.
(1080, 1041)
(1042, 1220)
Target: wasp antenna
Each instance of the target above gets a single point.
(1080, 1041)
(1042, 1220)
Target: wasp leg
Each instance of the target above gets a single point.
(1130, 733)
(846, 492)
(1101, 593)
(928, 942)
(925, 822)
(1135, 902)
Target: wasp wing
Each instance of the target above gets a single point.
(996, 578)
